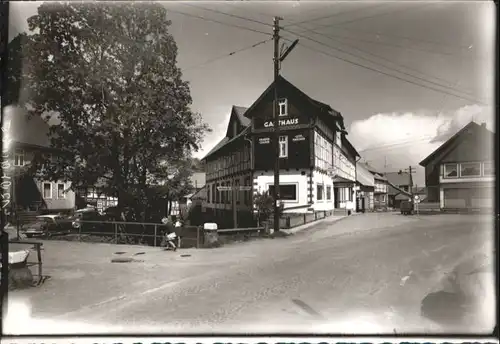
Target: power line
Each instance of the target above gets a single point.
(441, 44)
(393, 45)
(367, 17)
(378, 71)
(327, 16)
(385, 66)
(397, 144)
(228, 54)
(229, 14)
(219, 22)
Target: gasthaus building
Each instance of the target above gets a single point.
(317, 161)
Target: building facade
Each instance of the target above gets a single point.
(26, 138)
(460, 174)
(403, 181)
(317, 162)
(365, 181)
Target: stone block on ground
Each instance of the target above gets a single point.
(211, 239)
(20, 277)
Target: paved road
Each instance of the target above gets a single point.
(364, 274)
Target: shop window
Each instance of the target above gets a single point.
(319, 192)
(488, 169)
(288, 192)
(328, 193)
(450, 171)
(470, 169)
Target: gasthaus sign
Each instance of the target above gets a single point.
(282, 122)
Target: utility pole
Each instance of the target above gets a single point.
(410, 170)
(278, 58)
(276, 61)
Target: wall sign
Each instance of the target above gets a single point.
(282, 122)
(264, 140)
(299, 137)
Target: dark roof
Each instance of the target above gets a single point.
(398, 179)
(363, 176)
(328, 109)
(32, 131)
(419, 190)
(240, 113)
(471, 126)
(350, 146)
(224, 142)
(369, 167)
(379, 176)
(339, 179)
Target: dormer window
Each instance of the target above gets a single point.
(338, 138)
(283, 107)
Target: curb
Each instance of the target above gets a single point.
(310, 224)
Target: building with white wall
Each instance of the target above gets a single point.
(317, 161)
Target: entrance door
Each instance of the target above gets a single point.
(336, 197)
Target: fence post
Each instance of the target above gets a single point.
(116, 233)
(197, 236)
(315, 215)
(324, 214)
(305, 218)
(154, 244)
(80, 233)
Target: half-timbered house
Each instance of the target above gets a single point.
(317, 161)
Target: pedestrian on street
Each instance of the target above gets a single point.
(178, 231)
(170, 234)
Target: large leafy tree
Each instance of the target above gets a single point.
(109, 72)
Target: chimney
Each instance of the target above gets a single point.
(483, 124)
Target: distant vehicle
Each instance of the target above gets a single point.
(406, 207)
(86, 214)
(45, 225)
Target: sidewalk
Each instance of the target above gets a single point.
(327, 220)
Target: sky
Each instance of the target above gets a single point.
(388, 67)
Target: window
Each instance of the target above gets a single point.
(19, 157)
(223, 194)
(322, 152)
(488, 169)
(217, 194)
(470, 169)
(319, 192)
(248, 195)
(450, 171)
(288, 192)
(338, 138)
(328, 193)
(237, 186)
(60, 191)
(47, 190)
(283, 141)
(283, 107)
(214, 193)
(208, 193)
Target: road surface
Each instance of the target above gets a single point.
(364, 274)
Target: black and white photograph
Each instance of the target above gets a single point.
(235, 167)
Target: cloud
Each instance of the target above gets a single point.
(393, 141)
